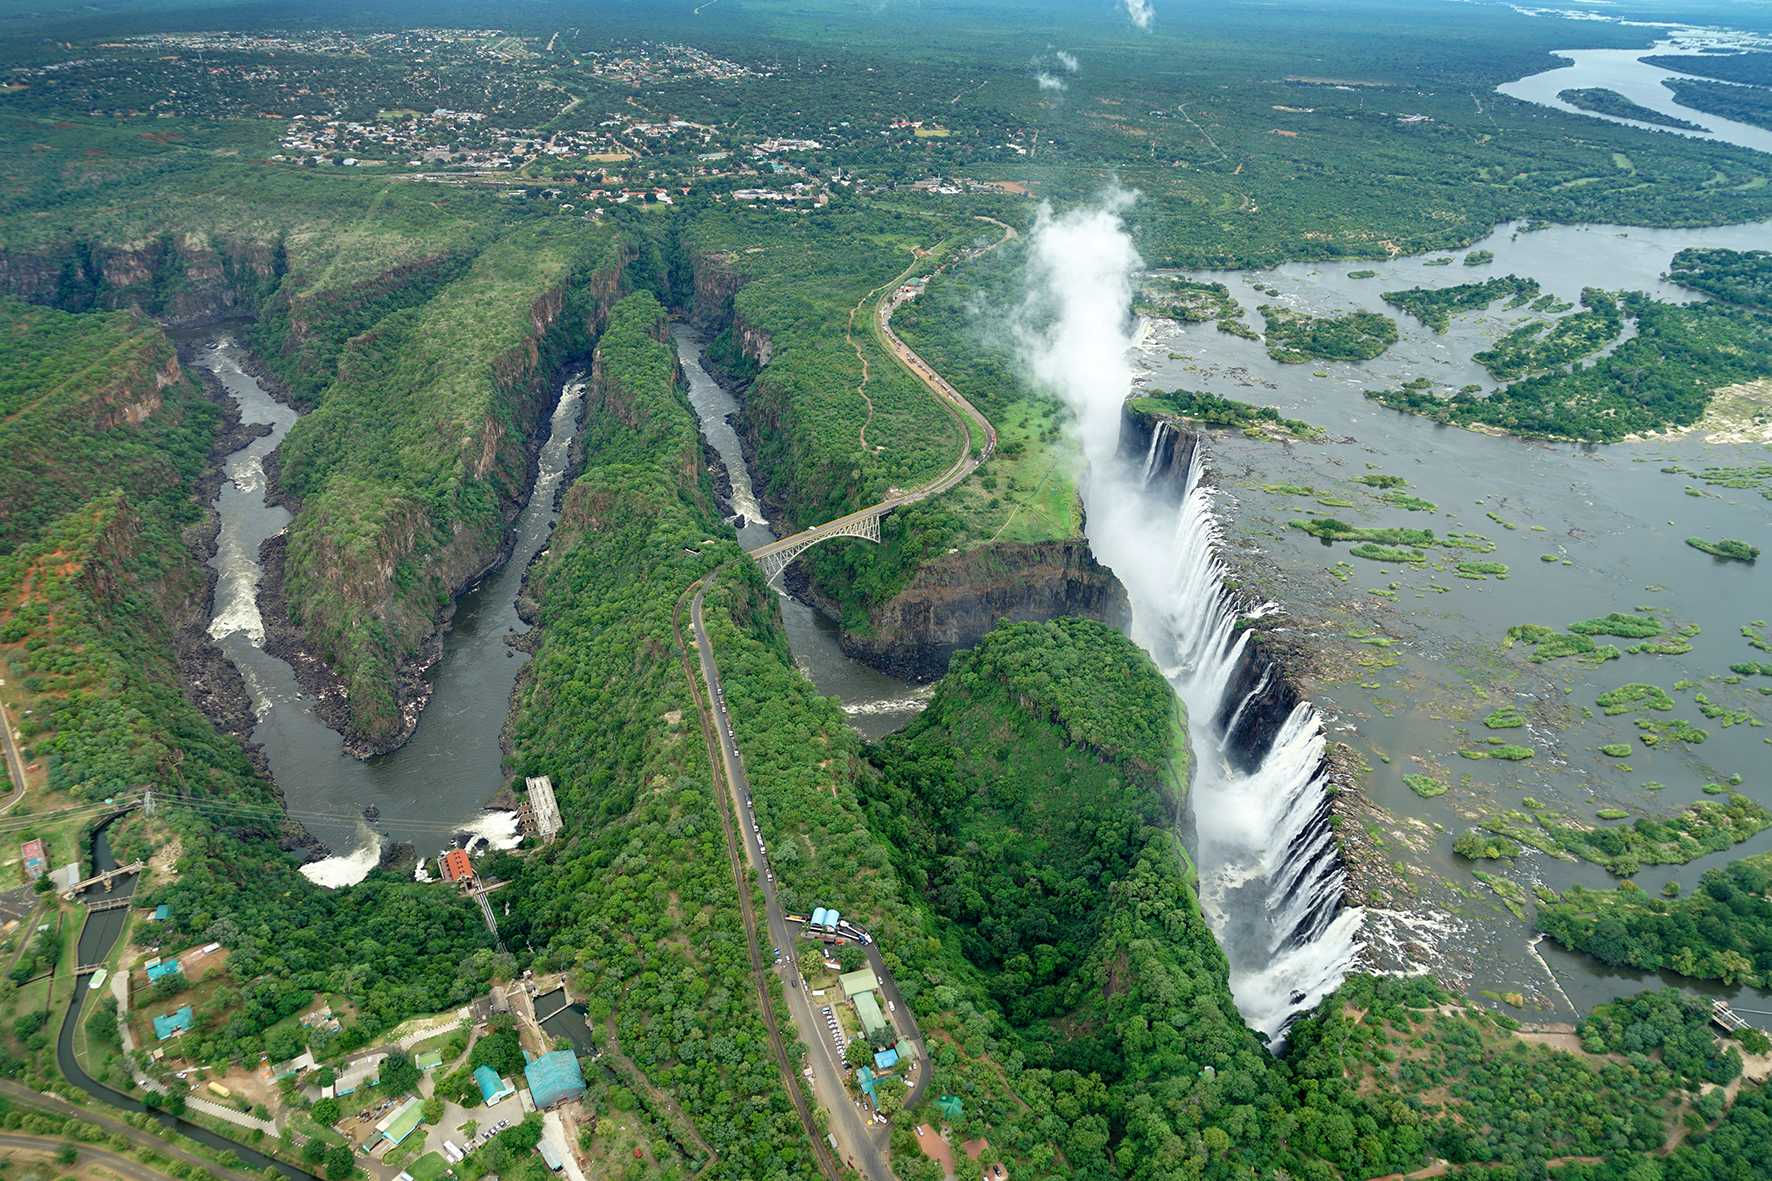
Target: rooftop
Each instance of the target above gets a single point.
(553, 1077)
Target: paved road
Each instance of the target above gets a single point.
(15, 762)
(719, 739)
(861, 1144)
(25, 1097)
(971, 421)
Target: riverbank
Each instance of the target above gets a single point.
(431, 790)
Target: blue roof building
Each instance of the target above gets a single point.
(554, 1078)
(886, 1059)
(163, 969)
(168, 1024)
(492, 1088)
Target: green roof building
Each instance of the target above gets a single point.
(399, 1123)
(857, 982)
(429, 1060)
(867, 1007)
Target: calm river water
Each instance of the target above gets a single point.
(1624, 71)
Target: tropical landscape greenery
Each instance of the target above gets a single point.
(1017, 851)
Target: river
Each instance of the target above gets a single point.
(1413, 658)
(435, 786)
(876, 704)
(1624, 71)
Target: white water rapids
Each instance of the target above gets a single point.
(1271, 877)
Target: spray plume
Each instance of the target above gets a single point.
(1140, 11)
(1271, 878)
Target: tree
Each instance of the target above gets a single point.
(326, 1112)
(339, 1162)
(850, 957)
(811, 959)
(399, 1074)
(858, 1053)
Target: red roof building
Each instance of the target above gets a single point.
(456, 865)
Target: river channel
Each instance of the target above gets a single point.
(1413, 657)
(876, 704)
(432, 790)
(434, 787)
(1625, 72)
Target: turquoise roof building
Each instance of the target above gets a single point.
(554, 1078)
(492, 1088)
(176, 1021)
(163, 969)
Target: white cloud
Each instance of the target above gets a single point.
(1141, 12)
(1067, 60)
(1050, 81)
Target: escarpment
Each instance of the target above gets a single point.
(394, 521)
(183, 280)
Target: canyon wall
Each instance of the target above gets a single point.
(950, 601)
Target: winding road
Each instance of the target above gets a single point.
(861, 1142)
(968, 416)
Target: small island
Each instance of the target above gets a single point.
(1727, 548)
(1600, 101)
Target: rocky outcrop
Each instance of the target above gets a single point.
(953, 601)
(1160, 446)
(183, 280)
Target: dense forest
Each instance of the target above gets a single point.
(1722, 931)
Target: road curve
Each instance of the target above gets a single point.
(969, 417)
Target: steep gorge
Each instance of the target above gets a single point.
(924, 600)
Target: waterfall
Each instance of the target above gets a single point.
(1230, 727)
(1271, 877)
(1150, 457)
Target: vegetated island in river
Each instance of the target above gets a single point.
(1666, 376)
(1602, 101)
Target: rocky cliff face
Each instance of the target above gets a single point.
(183, 280)
(953, 601)
(420, 556)
(1159, 446)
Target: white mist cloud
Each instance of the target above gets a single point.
(1050, 81)
(1067, 60)
(1074, 328)
(1141, 12)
